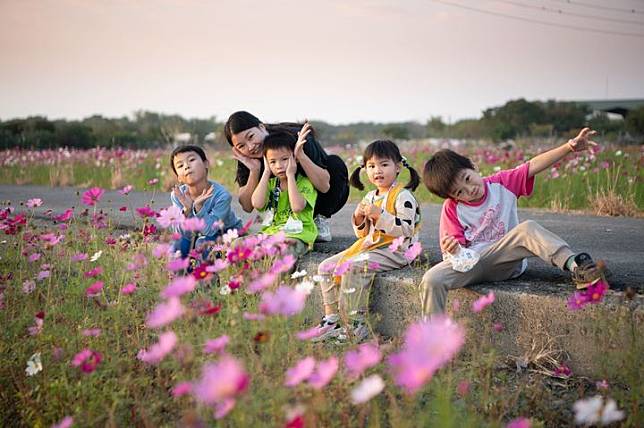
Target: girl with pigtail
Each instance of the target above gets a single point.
(386, 223)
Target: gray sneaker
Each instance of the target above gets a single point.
(360, 331)
(324, 228)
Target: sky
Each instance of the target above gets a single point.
(331, 60)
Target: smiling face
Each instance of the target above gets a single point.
(468, 186)
(190, 168)
(382, 172)
(278, 161)
(249, 142)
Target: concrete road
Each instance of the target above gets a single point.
(619, 241)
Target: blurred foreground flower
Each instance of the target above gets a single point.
(591, 411)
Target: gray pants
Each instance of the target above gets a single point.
(498, 262)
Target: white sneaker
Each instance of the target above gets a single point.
(324, 228)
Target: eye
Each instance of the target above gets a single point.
(467, 179)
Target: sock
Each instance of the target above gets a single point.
(332, 318)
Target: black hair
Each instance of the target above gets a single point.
(183, 149)
(389, 150)
(279, 140)
(442, 169)
(243, 120)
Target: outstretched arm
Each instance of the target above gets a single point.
(546, 160)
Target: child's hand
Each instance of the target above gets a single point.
(371, 211)
(267, 169)
(184, 198)
(199, 200)
(358, 214)
(449, 244)
(291, 167)
(250, 163)
(301, 139)
(581, 141)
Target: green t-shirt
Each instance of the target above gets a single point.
(283, 211)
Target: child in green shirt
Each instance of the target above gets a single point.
(285, 195)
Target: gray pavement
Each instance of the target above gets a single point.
(618, 240)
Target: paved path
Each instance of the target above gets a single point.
(620, 241)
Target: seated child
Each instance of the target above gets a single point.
(481, 214)
(199, 197)
(388, 212)
(285, 196)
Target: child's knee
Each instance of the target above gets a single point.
(431, 279)
(527, 226)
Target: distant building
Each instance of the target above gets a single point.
(612, 107)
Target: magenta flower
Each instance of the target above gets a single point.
(157, 352)
(284, 264)
(79, 257)
(285, 301)
(181, 389)
(179, 287)
(217, 266)
(69, 213)
(33, 203)
(463, 388)
(92, 196)
(87, 360)
(413, 251)
(312, 332)
(161, 250)
(127, 189)
(223, 408)
(221, 381)
(396, 243)
(324, 372)
(146, 211)
(429, 345)
(264, 281)
(165, 313)
(94, 272)
(94, 289)
(33, 257)
(42, 275)
(562, 371)
(249, 316)
(171, 217)
(519, 423)
(367, 355)
(577, 301)
(194, 224)
(153, 181)
(39, 321)
(177, 264)
(597, 291)
(66, 422)
(128, 288)
(300, 372)
(91, 332)
(216, 346)
(479, 304)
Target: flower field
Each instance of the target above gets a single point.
(108, 327)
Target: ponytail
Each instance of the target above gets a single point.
(414, 178)
(355, 178)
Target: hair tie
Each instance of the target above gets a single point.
(404, 162)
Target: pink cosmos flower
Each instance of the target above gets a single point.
(128, 288)
(285, 301)
(165, 313)
(171, 217)
(324, 372)
(519, 423)
(577, 301)
(91, 332)
(94, 272)
(153, 181)
(248, 316)
(157, 352)
(429, 345)
(127, 189)
(42, 275)
(223, 408)
(602, 385)
(365, 356)
(33, 203)
(39, 322)
(181, 389)
(66, 422)
(33, 257)
(177, 264)
(342, 268)
(69, 213)
(179, 287)
(239, 253)
(28, 286)
(92, 196)
(194, 224)
(161, 250)
(221, 381)
(396, 243)
(87, 360)
(312, 332)
(300, 372)
(367, 389)
(562, 371)
(479, 304)
(413, 251)
(217, 266)
(284, 264)
(216, 346)
(463, 388)
(145, 211)
(264, 281)
(79, 257)
(94, 289)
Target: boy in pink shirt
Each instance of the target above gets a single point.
(480, 213)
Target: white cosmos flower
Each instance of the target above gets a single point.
(592, 411)
(305, 286)
(97, 255)
(34, 365)
(224, 290)
(367, 389)
(298, 274)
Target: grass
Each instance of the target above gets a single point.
(124, 391)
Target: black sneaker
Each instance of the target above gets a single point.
(585, 271)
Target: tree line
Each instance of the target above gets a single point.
(515, 119)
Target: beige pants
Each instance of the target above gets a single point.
(357, 279)
(500, 261)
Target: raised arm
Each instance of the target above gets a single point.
(258, 198)
(546, 160)
(319, 176)
(295, 198)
